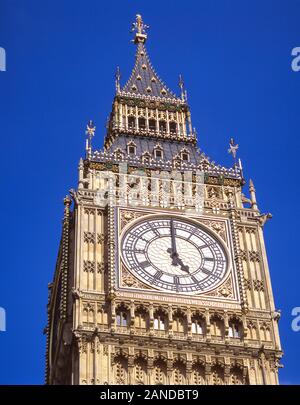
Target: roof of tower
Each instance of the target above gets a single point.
(144, 81)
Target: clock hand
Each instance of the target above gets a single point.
(173, 239)
(183, 267)
(172, 250)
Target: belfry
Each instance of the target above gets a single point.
(162, 274)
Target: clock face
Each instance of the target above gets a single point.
(174, 255)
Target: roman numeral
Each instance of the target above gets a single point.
(158, 275)
(209, 259)
(206, 271)
(176, 280)
(144, 264)
(195, 280)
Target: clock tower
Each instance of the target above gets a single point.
(162, 274)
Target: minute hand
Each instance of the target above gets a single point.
(173, 239)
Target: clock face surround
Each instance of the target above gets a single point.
(174, 254)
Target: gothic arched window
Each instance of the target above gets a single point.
(217, 326)
(179, 322)
(131, 148)
(146, 157)
(197, 325)
(140, 370)
(179, 373)
(120, 369)
(158, 152)
(162, 126)
(236, 376)
(173, 127)
(160, 372)
(152, 125)
(122, 317)
(141, 319)
(142, 123)
(159, 321)
(198, 374)
(131, 122)
(235, 329)
(217, 375)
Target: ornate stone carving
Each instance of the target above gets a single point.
(88, 266)
(89, 237)
(129, 281)
(224, 290)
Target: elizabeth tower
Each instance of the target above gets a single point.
(162, 274)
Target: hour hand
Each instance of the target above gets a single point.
(174, 256)
(182, 266)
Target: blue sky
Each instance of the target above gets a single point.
(235, 57)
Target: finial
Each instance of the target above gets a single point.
(90, 132)
(140, 28)
(118, 76)
(90, 129)
(252, 195)
(181, 85)
(233, 147)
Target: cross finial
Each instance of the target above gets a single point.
(140, 28)
(233, 147)
(90, 129)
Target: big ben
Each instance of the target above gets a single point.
(162, 274)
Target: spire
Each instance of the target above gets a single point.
(144, 81)
(181, 85)
(118, 76)
(252, 195)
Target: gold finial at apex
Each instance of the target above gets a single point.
(90, 129)
(140, 28)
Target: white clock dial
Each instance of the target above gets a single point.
(174, 255)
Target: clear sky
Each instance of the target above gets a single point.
(235, 57)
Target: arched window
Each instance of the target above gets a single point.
(217, 326)
(158, 152)
(197, 326)
(179, 322)
(235, 329)
(146, 157)
(173, 127)
(252, 331)
(131, 148)
(140, 367)
(162, 126)
(152, 125)
(131, 122)
(119, 154)
(217, 375)
(122, 317)
(141, 319)
(185, 155)
(198, 374)
(120, 369)
(236, 376)
(179, 372)
(160, 372)
(159, 321)
(142, 123)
